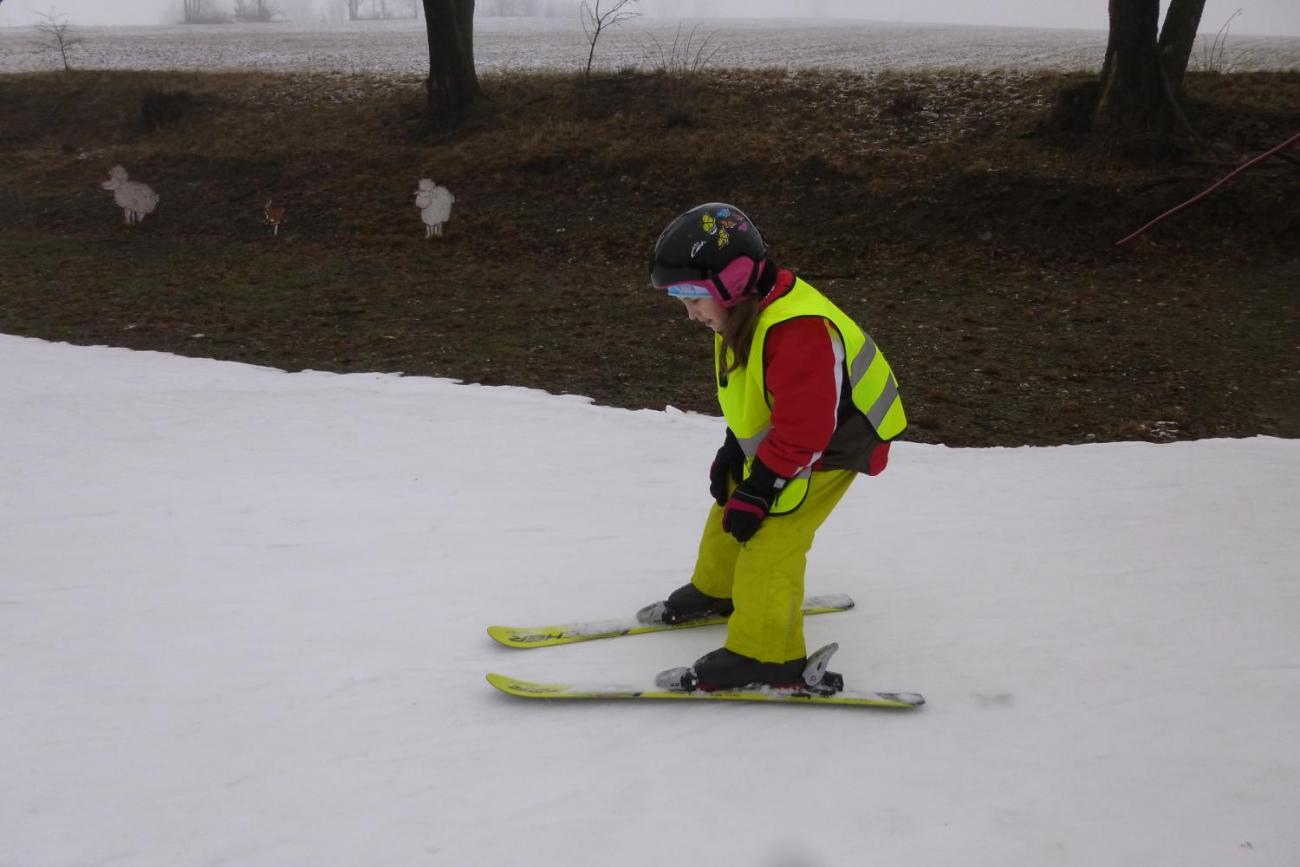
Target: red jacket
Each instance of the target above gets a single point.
(803, 368)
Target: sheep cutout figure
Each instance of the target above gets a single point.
(434, 203)
(135, 199)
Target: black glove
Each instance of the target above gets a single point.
(751, 502)
(728, 465)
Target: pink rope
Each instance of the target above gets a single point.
(1187, 204)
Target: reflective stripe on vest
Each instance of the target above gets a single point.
(746, 403)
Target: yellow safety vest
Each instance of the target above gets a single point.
(747, 405)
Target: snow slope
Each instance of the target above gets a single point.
(242, 616)
(503, 45)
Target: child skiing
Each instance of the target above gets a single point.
(809, 402)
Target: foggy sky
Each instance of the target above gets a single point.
(1262, 17)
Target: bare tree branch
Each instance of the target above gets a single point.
(58, 34)
(1293, 141)
(594, 22)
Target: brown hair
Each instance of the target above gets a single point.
(738, 332)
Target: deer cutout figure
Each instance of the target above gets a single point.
(434, 203)
(136, 200)
(273, 216)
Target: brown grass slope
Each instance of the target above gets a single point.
(977, 251)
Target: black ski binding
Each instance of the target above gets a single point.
(816, 679)
(681, 679)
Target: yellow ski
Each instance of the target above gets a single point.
(548, 636)
(847, 698)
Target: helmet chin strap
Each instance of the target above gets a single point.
(753, 274)
(722, 289)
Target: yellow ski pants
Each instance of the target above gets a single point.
(764, 576)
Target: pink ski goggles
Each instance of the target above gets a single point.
(727, 287)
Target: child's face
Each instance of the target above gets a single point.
(706, 310)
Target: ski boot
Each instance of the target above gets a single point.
(726, 670)
(684, 604)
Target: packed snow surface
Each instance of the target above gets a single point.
(243, 615)
(504, 44)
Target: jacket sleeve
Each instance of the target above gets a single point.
(803, 368)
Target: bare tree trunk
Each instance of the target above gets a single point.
(452, 84)
(1135, 95)
(1177, 38)
(194, 11)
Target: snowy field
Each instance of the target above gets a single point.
(506, 44)
(243, 618)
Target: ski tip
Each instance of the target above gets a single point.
(517, 637)
(510, 685)
(525, 688)
(501, 682)
(507, 635)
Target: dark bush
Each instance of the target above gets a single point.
(163, 108)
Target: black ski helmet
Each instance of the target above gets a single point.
(714, 247)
